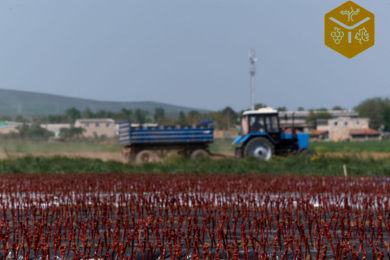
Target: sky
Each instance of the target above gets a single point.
(191, 53)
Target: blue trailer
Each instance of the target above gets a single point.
(151, 144)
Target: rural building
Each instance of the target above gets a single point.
(347, 129)
(7, 127)
(55, 128)
(318, 135)
(300, 118)
(97, 127)
(364, 134)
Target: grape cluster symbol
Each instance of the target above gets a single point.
(337, 35)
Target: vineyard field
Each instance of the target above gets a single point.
(193, 216)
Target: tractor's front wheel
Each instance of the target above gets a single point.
(260, 148)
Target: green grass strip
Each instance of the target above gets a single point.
(289, 165)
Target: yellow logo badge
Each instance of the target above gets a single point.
(349, 29)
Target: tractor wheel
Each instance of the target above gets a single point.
(199, 153)
(260, 148)
(307, 153)
(146, 156)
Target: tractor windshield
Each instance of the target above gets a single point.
(272, 124)
(256, 124)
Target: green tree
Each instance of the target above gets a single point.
(124, 114)
(101, 114)
(301, 109)
(314, 115)
(159, 115)
(37, 132)
(127, 112)
(377, 109)
(57, 119)
(5, 118)
(281, 109)
(260, 105)
(21, 119)
(182, 118)
(193, 117)
(385, 111)
(337, 108)
(23, 130)
(34, 131)
(72, 114)
(230, 115)
(73, 132)
(87, 113)
(140, 116)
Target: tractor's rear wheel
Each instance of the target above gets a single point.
(260, 148)
(146, 156)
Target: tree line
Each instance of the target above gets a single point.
(223, 119)
(376, 109)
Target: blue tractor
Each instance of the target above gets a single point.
(261, 137)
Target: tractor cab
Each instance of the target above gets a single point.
(264, 120)
(261, 136)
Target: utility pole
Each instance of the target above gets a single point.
(252, 72)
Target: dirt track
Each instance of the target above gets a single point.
(105, 156)
(362, 155)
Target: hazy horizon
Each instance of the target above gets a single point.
(187, 53)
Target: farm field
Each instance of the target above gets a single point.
(193, 216)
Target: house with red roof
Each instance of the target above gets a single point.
(347, 129)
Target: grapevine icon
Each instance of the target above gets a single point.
(362, 35)
(337, 35)
(350, 13)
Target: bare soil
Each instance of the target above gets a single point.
(360, 155)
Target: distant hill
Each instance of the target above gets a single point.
(15, 102)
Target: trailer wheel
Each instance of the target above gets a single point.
(199, 153)
(259, 148)
(146, 156)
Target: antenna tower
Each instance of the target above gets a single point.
(252, 72)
